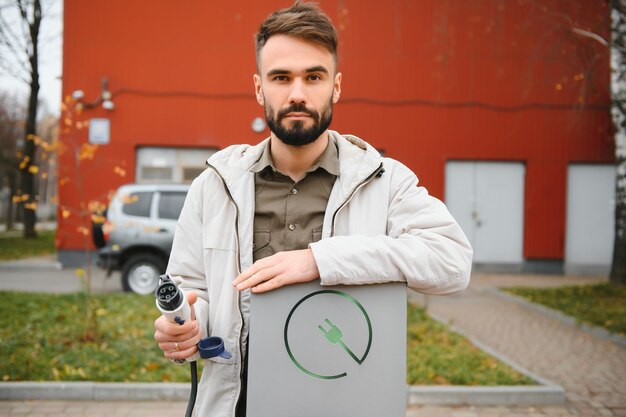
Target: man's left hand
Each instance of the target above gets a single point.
(282, 268)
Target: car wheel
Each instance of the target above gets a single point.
(140, 273)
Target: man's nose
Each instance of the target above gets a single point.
(296, 95)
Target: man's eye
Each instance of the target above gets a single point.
(280, 78)
(314, 77)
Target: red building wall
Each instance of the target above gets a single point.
(427, 81)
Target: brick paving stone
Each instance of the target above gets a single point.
(431, 410)
(464, 413)
(491, 409)
(615, 401)
(590, 368)
(584, 408)
(20, 409)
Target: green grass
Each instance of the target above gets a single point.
(14, 246)
(601, 305)
(42, 339)
(438, 356)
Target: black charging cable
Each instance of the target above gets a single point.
(173, 304)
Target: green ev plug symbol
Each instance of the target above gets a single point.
(334, 336)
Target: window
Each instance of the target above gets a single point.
(166, 165)
(190, 173)
(138, 204)
(163, 174)
(170, 205)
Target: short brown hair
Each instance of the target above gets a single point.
(302, 20)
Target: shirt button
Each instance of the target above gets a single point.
(294, 191)
(292, 227)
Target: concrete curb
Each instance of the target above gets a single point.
(505, 395)
(31, 264)
(96, 391)
(557, 315)
(122, 391)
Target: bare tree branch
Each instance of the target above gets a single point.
(17, 55)
(11, 72)
(25, 25)
(6, 30)
(591, 35)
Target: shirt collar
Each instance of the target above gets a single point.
(329, 160)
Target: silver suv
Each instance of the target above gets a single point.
(138, 233)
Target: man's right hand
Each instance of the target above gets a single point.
(175, 340)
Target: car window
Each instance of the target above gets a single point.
(170, 204)
(137, 204)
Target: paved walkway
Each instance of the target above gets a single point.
(592, 370)
(177, 409)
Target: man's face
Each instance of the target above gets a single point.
(297, 86)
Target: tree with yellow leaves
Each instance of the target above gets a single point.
(20, 39)
(11, 130)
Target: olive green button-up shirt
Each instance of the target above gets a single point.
(289, 215)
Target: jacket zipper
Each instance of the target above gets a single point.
(232, 200)
(358, 187)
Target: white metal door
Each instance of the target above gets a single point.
(590, 217)
(487, 199)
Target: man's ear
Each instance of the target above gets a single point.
(337, 88)
(258, 90)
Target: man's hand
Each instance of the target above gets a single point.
(282, 268)
(175, 340)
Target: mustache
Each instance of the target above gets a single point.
(298, 108)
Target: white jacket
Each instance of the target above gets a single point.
(379, 227)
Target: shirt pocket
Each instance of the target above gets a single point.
(316, 234)
(261, 244)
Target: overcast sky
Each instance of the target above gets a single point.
(50, 55)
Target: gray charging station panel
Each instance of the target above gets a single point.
(328, 351)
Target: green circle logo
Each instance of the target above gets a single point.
(331, 332)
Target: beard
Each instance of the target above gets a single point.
(297, 134)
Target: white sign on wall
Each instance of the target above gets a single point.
(99, 130)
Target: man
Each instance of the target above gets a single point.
(305, 204)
